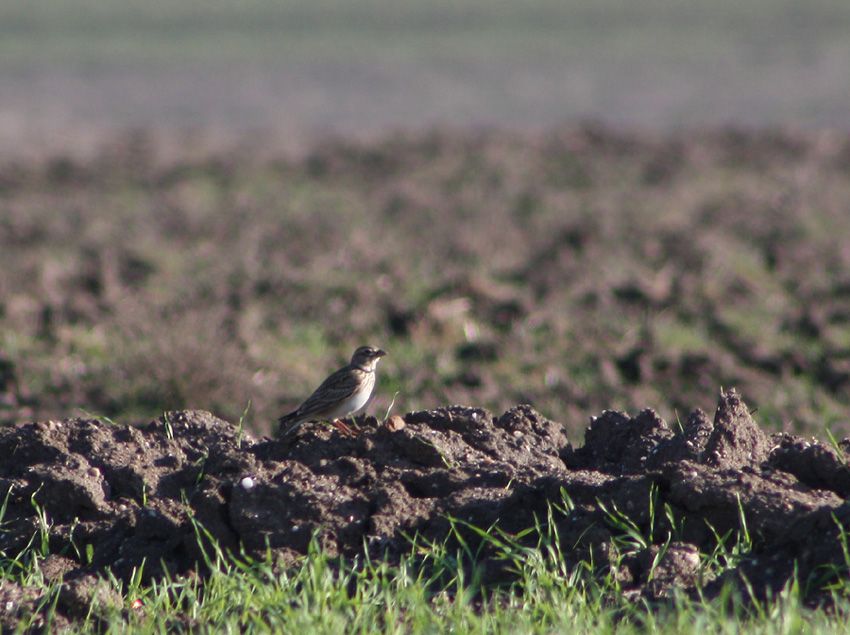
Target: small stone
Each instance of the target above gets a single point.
(395, 423)
(247, 483)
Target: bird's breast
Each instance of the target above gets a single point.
(360, 398)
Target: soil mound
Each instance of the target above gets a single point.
(115, 497)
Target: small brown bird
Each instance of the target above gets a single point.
(345, 392)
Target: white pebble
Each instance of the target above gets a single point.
(247, 483)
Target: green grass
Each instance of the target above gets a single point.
(435, 588)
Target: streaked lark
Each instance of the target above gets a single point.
(345, 392)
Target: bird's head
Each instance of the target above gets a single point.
(366, 357)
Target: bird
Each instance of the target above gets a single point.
(344, 392)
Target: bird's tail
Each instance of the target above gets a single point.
(287, 424)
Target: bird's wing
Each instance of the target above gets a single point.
(336, 388)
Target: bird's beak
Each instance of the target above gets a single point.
(380, 353)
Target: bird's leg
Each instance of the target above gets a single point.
(343, 428)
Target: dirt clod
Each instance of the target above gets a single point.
(116, 496)
(736, 440)
(395, 423)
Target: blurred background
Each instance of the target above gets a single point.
(578, 204)
(303, 67)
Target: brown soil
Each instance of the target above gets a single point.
(131, 493)
(576, 270)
